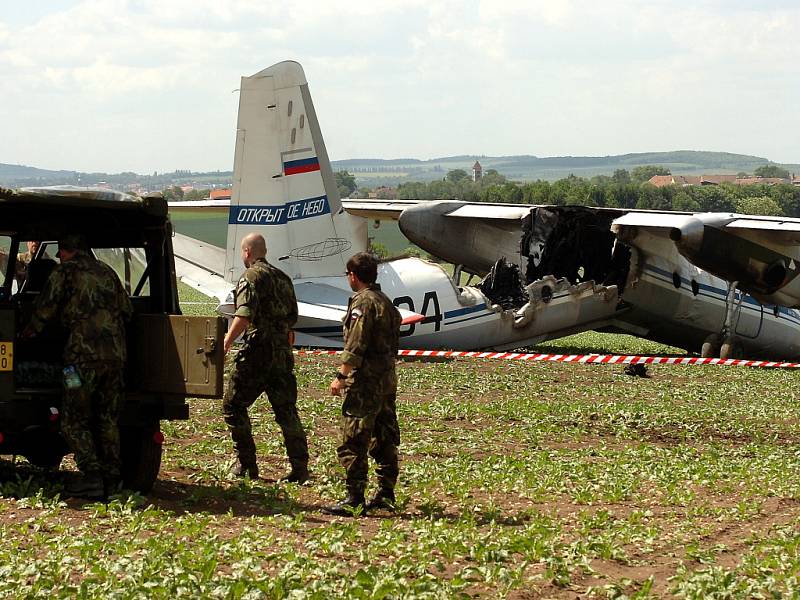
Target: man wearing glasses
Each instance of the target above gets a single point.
(368, 381)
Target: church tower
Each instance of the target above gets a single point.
(477, 171)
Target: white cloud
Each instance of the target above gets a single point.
(419, 78)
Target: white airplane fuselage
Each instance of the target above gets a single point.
(454, 317)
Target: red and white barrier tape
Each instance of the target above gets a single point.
(606, 359)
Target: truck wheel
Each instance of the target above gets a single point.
(45, 450)
(45, 458)
(140, 453)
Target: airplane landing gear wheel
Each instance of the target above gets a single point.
(711, 347)
(731, 348)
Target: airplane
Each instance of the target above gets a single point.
(549, 271)
(284, 188)
(682, 280)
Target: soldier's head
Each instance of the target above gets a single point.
(254, 246)
(69, 245)
(362, 270)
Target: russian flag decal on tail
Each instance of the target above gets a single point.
(302, 161)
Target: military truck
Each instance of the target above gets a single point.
(170, 356)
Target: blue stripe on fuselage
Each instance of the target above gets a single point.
(463, 311)
(722, 294)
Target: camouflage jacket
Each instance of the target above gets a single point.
(87, 298)
(371, 335)
(265, 297)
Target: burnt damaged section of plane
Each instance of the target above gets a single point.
(573, 243)
(503, 285)
(565, 251)
(570, 274)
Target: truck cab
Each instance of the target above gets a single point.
(171, 357)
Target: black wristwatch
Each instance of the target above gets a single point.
(340, 375)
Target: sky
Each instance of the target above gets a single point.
(150, 85)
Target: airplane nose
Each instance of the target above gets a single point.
(421, 225)
(410, 220)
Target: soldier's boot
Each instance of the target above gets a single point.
(349, 507)
(243, 469)
(89, 486)
(245, 463)
(297, 451)
(383, 500)
(297, 474)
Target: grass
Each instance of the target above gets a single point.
(521, 480)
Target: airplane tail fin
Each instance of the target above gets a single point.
(283, 185)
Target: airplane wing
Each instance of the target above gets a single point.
(761, 254)
(201, 266)
(774, 232)
(391, 209)
(784, 231)
(483, 210)
(382, 210)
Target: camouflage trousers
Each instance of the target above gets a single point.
(90, 418)
(375, 432)
(257, 371)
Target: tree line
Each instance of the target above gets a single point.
(623, 189)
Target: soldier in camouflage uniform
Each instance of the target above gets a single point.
(87, 299)
(266, 309)
(368, 380)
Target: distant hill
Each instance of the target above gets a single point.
(23, 172)
(14, 176)
(372, 172)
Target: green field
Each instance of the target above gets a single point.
(520, 480)
(210, 227)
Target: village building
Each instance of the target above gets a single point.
(220, 194)
(686, 180)
(477, 171)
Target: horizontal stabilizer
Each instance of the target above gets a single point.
(201, 266)
(206, 283)
(201, 254)
(410, 318)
